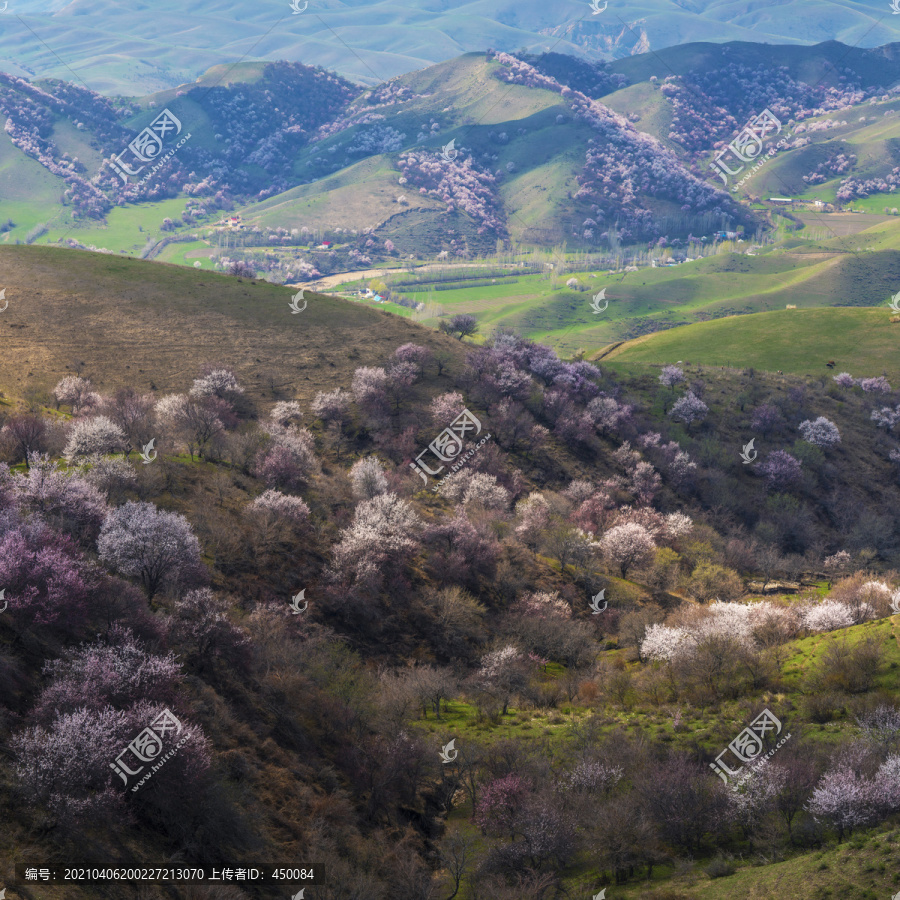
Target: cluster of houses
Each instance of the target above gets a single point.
(805, 204)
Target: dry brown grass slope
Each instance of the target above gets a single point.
(142, 324)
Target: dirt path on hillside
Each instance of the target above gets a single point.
(330, 281)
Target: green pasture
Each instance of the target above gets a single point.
(178, 254)
(700, 727)
(720, 287)
(31, 195)
(797, 341)
(866, 867)
(127, 228)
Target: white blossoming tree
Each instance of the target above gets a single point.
(474, 488)
(689, 409)
(827, 616)
(367, 475)
(382, 536)
(157, 547)
(97, 434)
(627, 546)
(220, 383)
(821, 431)
(503, 673)
(74, 391)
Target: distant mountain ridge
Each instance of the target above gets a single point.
(137, 48)
(549, 149)
(290, 125)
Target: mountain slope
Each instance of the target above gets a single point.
(537, 161)
(169, 321)
(315, 733)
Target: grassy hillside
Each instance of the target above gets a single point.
(363, 194)
(540, 157)
(323, 730)
(809, 63)
(864, 868)
(150, 324)
(31, 194)
(795, 341)
(528, 143)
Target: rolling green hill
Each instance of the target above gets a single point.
(795, 341)
(530, 144)
(541, 156)
(30, 193)
(546, 157)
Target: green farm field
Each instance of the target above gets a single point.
(715, 292)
